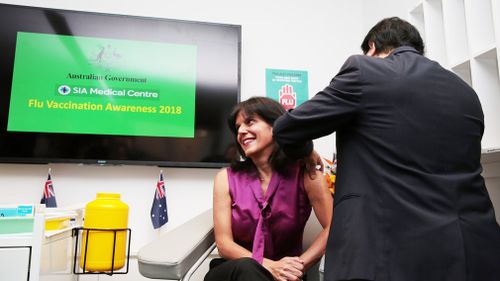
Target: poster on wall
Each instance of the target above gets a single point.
(83, 81)
(289, 87)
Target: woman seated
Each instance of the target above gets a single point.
(262, 203)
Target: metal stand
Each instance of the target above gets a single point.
(84, 248)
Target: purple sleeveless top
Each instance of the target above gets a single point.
(270, 225)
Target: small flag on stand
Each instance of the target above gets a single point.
(159, 215)
(49, 196)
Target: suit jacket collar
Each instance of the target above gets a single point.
(403, 49)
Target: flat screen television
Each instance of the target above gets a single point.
(79, 87)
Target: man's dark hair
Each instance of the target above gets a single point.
(391, 33)
(269, 110)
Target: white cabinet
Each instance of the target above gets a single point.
(455, 35)
(434, 30)
(57, 256)
(14, 263)
(20, 253)
(464, 36)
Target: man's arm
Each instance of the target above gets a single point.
(326, 112)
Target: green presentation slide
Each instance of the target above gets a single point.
(86, 85)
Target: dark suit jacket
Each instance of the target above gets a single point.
(410, 202)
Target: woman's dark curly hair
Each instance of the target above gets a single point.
(269, 110)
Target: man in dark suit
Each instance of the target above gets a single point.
(410, 202)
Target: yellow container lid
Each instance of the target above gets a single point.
(103, 195)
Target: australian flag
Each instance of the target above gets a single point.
(49, 197)
(159, 215)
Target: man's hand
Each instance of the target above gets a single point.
(313, 163)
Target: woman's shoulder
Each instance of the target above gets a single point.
(221, 174)
(221, 181)
(230, 175)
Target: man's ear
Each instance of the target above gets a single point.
(372, 51)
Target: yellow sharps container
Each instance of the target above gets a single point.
(107, 211)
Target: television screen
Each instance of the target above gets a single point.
(94, 88)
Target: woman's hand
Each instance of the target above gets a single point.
(286, 269)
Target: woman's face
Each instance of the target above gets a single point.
(254, 135)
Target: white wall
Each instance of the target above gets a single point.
(316, 36)
(374, 11)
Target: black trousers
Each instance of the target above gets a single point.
(244, 269)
